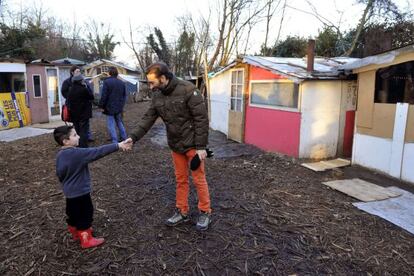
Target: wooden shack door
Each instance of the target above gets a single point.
(236, 111)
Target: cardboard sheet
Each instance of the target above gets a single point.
(362, 190)
(326, 165)
(398, 210)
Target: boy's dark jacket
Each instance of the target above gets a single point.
(72, 168)
(183, 110)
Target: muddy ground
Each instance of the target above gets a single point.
(271, 216)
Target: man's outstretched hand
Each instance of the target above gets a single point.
(126, 144)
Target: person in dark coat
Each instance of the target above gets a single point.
(80, 105)
(182, 108)
(74, 70)
(112, 102)
(67, 84)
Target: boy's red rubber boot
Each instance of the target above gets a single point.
(74, 232)
(86, 239)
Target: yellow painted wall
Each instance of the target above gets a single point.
(9, 114)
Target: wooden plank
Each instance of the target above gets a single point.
(337, 163)
(366, 92)
(326, 165)
(362, 190)
(235, 130)
(317, 166)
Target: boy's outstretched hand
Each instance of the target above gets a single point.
(126, 144)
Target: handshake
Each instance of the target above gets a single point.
(126, 144)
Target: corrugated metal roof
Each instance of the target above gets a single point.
(129, 78)
(383, 58)
(69, 61)
(295, 68)
(101, 61)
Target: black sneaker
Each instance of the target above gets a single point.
(203, 221)
(177, 218)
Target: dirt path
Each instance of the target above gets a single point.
(271, 216)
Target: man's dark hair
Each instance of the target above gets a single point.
(73, 68)
(61, 133)
(113, 71)
(159, 69)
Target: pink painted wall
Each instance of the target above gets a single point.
(270, 129)
(38, 106)
(273, 130)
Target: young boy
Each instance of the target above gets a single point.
(73, 172)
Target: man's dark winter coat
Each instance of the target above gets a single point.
(182, 108)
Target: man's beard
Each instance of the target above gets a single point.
(161, 87)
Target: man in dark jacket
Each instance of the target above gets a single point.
(112, 102)
(182, 108)
(80, 106)
(67, 84)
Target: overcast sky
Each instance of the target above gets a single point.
(163, 14)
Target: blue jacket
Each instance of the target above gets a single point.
(113, 97)
(72, 168)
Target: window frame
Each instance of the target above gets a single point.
(40, 86)
(105, 69)
(16, 76)
(283, 108)
(236, 84)
(389, 82)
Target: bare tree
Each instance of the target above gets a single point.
(282, 18)
(133, 46)
(203, 42)
(233, 18)
(271, 7)
(2, 8)
(362, 22)
(325, 21)
(243, 35)
(220, 39)
(380, 10)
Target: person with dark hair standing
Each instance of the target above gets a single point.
(73, 172)
(181, 107)
(67, 84)
(112, 102)
(79, 100)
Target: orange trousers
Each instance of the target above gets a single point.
(181, 165)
